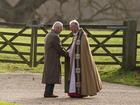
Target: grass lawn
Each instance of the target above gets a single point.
(115, 75)
(110, 73)
(8, 103)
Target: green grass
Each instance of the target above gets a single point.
(120, 76)
(8, 103)
(108, 72)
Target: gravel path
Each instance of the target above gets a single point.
(27, 89)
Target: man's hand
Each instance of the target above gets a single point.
(67, 55)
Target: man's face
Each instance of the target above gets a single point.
(59, 29)
(73, 28)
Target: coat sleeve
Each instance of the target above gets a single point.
(58, 47)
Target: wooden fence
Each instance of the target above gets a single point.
(126, 56)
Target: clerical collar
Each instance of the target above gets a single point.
(75, 33)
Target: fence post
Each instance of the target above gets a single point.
(33, 50)
(129, 45)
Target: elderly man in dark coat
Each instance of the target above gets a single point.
(52, 66)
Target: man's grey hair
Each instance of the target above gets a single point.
(57, 24)
(74, 22)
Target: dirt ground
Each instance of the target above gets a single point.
(26, 89)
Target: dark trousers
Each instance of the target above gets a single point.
(49, 89)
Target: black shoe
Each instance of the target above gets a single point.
(50, 96)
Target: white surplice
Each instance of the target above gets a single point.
(72, 88)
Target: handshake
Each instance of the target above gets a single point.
(67, 55)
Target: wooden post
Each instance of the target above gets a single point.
(129, 45)
(33, 50)
(35, 46)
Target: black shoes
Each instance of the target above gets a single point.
(50, 96)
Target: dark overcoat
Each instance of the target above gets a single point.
(52, 66)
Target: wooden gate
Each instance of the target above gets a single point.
(99, 38)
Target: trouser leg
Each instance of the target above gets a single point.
(49, 88)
